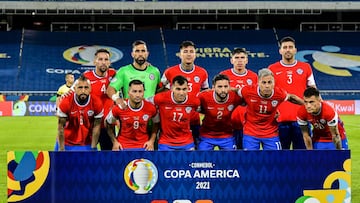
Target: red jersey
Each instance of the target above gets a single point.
(217, 115)
(321, 122)
(133, 124)
(98, 88)
(175, 118)
(294, 78)
(260, 112)
(238, 117)
(240, 80)
(80, 119)
(197, 78)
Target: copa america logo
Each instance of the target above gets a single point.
(84, 54)
(141, 175)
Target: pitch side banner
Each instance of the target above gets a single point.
(46, 108)
(179, 176)
(29, 108)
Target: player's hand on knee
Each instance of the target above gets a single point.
(117, 146)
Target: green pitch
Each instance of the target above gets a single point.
(38, 133)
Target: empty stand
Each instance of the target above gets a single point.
(40, 63)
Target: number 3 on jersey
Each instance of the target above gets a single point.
(190, 86)
(289, 80)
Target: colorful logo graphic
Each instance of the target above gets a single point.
(327, 194)
(329, 62)
(19, 108)
(27, 172)
(141, 175)
(84, 55)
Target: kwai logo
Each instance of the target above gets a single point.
(84, 54)
(141, 175)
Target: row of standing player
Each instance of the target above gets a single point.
(178, 106)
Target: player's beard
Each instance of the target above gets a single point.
(288, 56)
(103, 68)
(82, 98)
(222, 96)
(140, 60)
(137, 104)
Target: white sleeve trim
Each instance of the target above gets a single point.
(301, 122)
(311, 81)
(164, 80)
(205, 84)
(100, 115)
(61, 114)
(110, 118)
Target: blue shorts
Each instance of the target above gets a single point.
(290, 133)
(223, 143)
(134, 149)
(238, 134)
(74, 148)
(330, 145)
(165, 147)
(254, 143)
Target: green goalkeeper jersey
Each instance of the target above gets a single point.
(150, 77)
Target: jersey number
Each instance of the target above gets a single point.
(190, 86)
(289, 80)
(81, 120)
(219, 115)
(177, 116)
(263, 109)
(319, 126)
(103, 89)
(136, 124)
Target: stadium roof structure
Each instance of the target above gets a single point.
(117, 15)
(174, 7)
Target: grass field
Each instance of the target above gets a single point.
(38, 133)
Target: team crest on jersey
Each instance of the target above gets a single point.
(145, 117)
(197, 79)
(299, 71)
(274, 103)
(230, 107)
(188, 109)
(152, 76)
(90, 113)
(322, 121)
(110, 78)
(249, 81)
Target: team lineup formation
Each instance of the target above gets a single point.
(137, 108)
